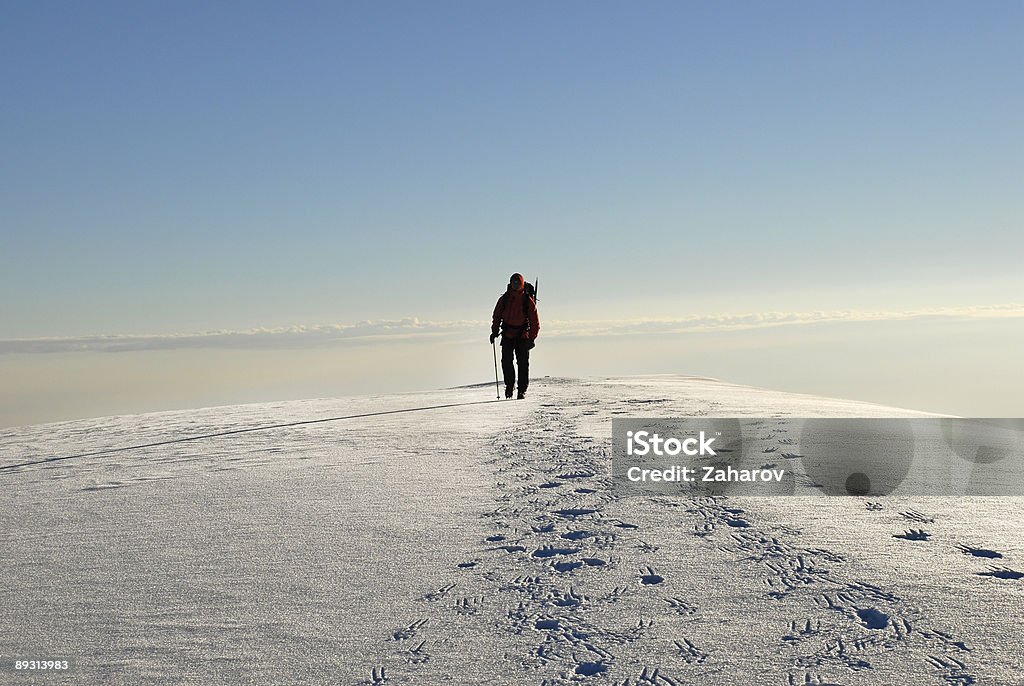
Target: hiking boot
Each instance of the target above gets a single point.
(521, 395)
(508, 392)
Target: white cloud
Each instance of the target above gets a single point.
(733, 322)
(384, 331)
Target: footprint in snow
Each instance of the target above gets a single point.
(551, 551)
(572, 512)
(1003, 573)
(648, 577)
(919, 517)
(873, 618)
(591, 668)
(576, 535)
(979, 552)
(914, 535)
(576, 475)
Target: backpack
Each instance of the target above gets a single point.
(531, 290)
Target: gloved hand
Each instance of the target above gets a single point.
(493, 336)
(531, 343)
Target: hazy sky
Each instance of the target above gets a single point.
(171, 169)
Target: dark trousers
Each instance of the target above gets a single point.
(521, 348)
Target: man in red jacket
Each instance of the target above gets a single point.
(515, 315)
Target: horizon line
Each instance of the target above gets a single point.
(409, 328)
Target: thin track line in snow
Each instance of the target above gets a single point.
(109, 451)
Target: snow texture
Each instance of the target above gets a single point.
(480, 543)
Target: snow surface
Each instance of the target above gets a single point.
(480, 544)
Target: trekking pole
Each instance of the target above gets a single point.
(495, 351)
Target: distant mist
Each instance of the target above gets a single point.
(401, 330)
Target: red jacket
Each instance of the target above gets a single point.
(515, 315)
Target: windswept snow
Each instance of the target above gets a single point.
(480, 544)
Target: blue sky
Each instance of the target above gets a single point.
(183, 167)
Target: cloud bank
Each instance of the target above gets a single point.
(385, 331)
